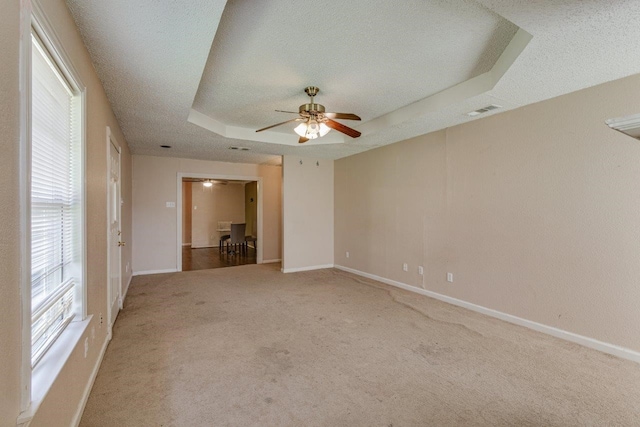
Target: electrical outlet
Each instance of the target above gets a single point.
(347, 254)
(171, 204)
(101, 320)
(405, 267)
(86, 347)
(450, 277)
(420, 270)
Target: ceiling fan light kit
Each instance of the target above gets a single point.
(314, 122)
(312, 129)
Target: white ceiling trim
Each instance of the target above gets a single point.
(458, 93)
(468, 89)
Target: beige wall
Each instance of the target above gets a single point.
(9, 215)
(535, 211)
(272, 212)
(155, 183)
(62, 402)
(187, 207)
(307, 213)
(251, 208)
(210, 205)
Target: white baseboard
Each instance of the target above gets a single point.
(142, 273)
(313, 267)
(87, 390)
(271, 261)
(604, 347)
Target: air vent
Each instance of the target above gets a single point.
(238, 148)
(483, 110)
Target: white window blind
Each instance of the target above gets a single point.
(55, 202)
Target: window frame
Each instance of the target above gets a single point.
(37, 380)
(74, 176)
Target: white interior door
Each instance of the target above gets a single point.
(115, 234)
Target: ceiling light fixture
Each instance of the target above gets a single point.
(207, 184)
(629, 125)
(311, 129)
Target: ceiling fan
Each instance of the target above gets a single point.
(314, 122)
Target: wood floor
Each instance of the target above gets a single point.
(207, 258)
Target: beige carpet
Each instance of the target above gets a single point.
(247, 346)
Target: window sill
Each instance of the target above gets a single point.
(49, 367)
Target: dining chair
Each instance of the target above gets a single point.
(252, 239)
(222, 227)
(237, 236)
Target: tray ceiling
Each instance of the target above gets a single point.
(201, 75)
(369, 57)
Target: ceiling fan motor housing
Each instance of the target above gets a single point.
(311, 109)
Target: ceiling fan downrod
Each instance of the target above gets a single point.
(312, 108)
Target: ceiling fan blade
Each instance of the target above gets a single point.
(302, 140)
(342, 128)
(278, 124)
(343, 116)
(282, 111)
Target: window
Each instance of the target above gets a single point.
(56, 201)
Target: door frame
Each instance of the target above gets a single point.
(259, 243)
(111, 140)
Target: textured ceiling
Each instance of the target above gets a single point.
(159, 61)
(355, 51)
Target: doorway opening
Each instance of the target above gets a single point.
(219, 226)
